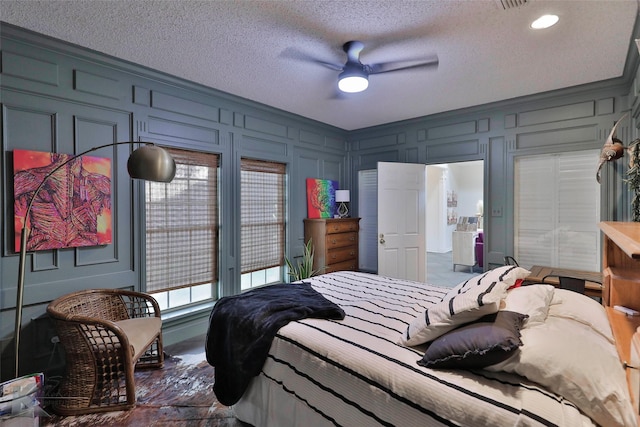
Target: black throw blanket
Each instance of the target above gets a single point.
(242, 327)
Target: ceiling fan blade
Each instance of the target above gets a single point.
(295, 54)
(386, 67)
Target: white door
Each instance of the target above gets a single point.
(402, 221)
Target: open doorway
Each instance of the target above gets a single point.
(455, 194)
(463, 181)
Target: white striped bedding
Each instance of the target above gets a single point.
(354, 372)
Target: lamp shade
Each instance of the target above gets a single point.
(151, 163)
(342, 196)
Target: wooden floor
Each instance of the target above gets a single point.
(180, 394)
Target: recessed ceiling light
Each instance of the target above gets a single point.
(545, 21)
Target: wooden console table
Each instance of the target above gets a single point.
(593, 285)
(621, 264)
(621, 274)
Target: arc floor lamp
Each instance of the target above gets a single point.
(148, 162)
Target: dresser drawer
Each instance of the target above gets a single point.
(341, 226)
(342, 254)
(350, 265)
(335, 243)
(341, 240)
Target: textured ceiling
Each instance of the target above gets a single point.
(260, 49)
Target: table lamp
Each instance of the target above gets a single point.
(342, 197)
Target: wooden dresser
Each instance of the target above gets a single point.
(335, 243)
(621, 276)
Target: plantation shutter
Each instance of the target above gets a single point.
(262, 214)
(557, 211)
(182, 224)
(368, 235)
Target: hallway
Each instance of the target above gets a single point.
(440, 270)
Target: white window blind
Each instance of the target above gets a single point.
(182, 224)
(262, 214)
(557, 210)
(368, 209)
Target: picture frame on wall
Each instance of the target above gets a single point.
(321, 198)
(73, 209)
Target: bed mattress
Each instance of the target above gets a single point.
(355, 372)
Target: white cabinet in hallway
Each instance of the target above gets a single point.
(464, 248)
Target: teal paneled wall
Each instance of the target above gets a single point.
(563, 121)
(58, 97)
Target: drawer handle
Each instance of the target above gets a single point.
(334, 241)
(352, 238)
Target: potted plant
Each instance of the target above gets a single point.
(304, 268)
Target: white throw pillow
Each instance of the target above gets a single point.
(533, 300)
(581, 308)
(507, 274)
(452, 312)
(575, 362)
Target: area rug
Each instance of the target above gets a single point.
(180, 394)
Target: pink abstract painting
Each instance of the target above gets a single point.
(72, 209)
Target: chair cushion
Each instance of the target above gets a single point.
(141, 332)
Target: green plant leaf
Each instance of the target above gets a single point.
(304, 268)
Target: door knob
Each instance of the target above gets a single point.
(381, 239)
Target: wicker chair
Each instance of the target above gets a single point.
(106, 334)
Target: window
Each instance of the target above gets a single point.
(262, 222)
(182, 232)
(557, 210)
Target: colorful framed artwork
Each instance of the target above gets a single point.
(73, 207)
(321, 198)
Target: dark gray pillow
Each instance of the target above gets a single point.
(486, 341)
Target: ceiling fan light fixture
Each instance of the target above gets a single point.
(352, 82)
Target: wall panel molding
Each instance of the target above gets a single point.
(141, 96)
(45, 260)
(186, 107)
(30, 69)
(455, 149)
(95, 84)
(452, 130)
(370, 160)
(556, 114)
(162, 127)
(379, 141)
(265, 126)
(257, 147)
(556, 137)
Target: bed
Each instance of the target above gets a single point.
(486, 352)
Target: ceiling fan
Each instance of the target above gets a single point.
(354, 76)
